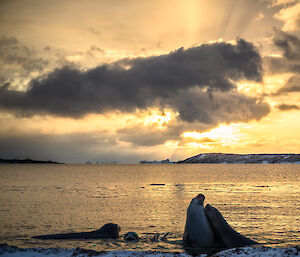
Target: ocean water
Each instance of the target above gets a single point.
(260, 201)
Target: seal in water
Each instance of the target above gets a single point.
(225, 235)
(109, 230)
(131, 236)
(198, 232)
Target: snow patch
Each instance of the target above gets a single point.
(260, 252)
(11, 251)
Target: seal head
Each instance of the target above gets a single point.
(131, 236)
(198, 232)
(109, 230)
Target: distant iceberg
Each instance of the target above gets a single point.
(167, 161)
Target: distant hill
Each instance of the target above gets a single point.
(26, 161)
(243, 158)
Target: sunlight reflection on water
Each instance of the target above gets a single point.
(261, 201)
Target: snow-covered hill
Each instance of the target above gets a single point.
(243, 158)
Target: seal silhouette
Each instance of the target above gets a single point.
(197, 232)
(109, 230)
(225, 235)
(131, 236)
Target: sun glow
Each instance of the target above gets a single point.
(226, 135)
(250, 88)
(199, 145)
(110, 122)
(159, 118)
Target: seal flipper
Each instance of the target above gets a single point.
(244, 241)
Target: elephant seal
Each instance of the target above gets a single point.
(224, 233)
(109, 230)
(131, 236)
(197, 232)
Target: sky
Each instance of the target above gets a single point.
(131, 80)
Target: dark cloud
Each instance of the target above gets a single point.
(188, 80)
(288, 107)
(78, 147)
(289, 63)
(19, 63)
(95, 50)
(290, 47)
(278, 65)
(215, 107)
(289, 44)
(150, 135)
(13, 52)
(292, 86)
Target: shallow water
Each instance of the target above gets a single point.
(260, 201)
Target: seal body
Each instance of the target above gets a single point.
(109, 230)
(225, 234)
(197, 232)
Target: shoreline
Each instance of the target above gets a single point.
(27, 161)
(263, 251)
